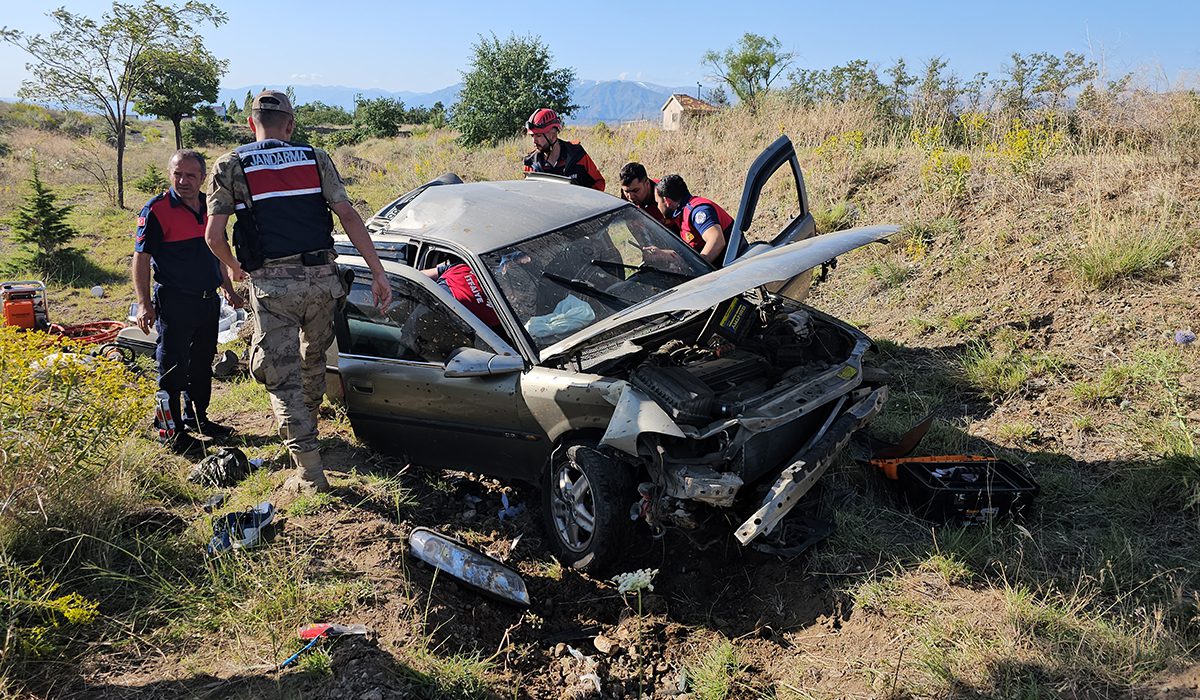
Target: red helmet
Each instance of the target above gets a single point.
(541, 121)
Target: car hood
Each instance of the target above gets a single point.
(708, 290)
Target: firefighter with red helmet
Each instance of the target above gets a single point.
(557, 157)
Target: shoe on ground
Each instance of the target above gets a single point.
(184, 443)
(208, 428)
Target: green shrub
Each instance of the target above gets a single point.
(838, 216)
(1122, 251)
(152, 181)
(206, 130)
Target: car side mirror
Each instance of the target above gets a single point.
(470, 362)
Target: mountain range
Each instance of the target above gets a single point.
(598, 100)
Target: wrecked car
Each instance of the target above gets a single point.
(626, 378)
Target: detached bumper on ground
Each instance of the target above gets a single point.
(808, 466)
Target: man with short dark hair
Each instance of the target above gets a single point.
(282, 194)
(557, 157)
(637, 187)
(182, 306)
(701, 222)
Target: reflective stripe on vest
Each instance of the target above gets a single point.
(689, 235)
(286, 201)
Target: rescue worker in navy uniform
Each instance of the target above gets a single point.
(638, 187)
(553, 155)
(282, 194)
(701, 223)
(183, 305)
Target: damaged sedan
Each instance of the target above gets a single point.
(620, 373)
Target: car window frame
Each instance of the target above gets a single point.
(396, 270)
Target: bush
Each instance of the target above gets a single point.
(65, 421)
(152, 182)
(206, 130)
(65, 417)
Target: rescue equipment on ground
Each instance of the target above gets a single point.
(25, 305)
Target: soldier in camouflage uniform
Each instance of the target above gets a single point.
(282, 194)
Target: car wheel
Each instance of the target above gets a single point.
(585, 506)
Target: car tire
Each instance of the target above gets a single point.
(586, 506)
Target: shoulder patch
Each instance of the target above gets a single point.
(141, 221)
(701, 216)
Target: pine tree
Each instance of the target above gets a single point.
(42, 223)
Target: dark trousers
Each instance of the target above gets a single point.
(187, 340)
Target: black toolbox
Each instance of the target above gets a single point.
(961, 488)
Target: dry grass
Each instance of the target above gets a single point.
(1030, 309)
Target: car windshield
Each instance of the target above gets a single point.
(566, 280)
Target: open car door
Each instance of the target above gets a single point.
(767, 173)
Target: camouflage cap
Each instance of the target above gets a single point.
(272, 99)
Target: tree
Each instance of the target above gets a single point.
(507, 81)
(316, 113)
(177, 82)
(750, 67)
(380, 118)
(42, 223)
(100, 64)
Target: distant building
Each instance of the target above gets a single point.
(219, 110)
(682, 108)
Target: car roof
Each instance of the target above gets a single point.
(485, 216)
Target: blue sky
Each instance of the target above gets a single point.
(424, 46)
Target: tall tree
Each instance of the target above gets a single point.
(507, 81)
(99, 64)
(177, 82)
(750, 67)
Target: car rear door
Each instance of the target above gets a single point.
(392, 368)
(783, 215)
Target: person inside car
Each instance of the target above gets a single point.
(460, 280)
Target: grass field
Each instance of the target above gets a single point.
(1030, 302)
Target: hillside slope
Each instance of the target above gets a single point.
(1030, 304)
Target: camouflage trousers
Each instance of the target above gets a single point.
(294, 309)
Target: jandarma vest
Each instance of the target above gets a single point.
(287, 212)
(688, 234)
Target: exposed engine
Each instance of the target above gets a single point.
(742, 351)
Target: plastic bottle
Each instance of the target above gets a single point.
(163, 419)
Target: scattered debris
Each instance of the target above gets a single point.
(474, 568)
(241, 530)
(333, 629)
(588, 668)
(226, 365)
(98, 291)
(509, 512)
(1184, 337)
(225, 468)
(214, 502)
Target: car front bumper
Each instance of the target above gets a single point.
(807, 466)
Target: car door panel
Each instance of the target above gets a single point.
(392, 369)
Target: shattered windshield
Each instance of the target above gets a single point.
(566, 280)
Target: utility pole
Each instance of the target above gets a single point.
(697, 89)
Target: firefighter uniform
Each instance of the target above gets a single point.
(573, 162)
(187, 310)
